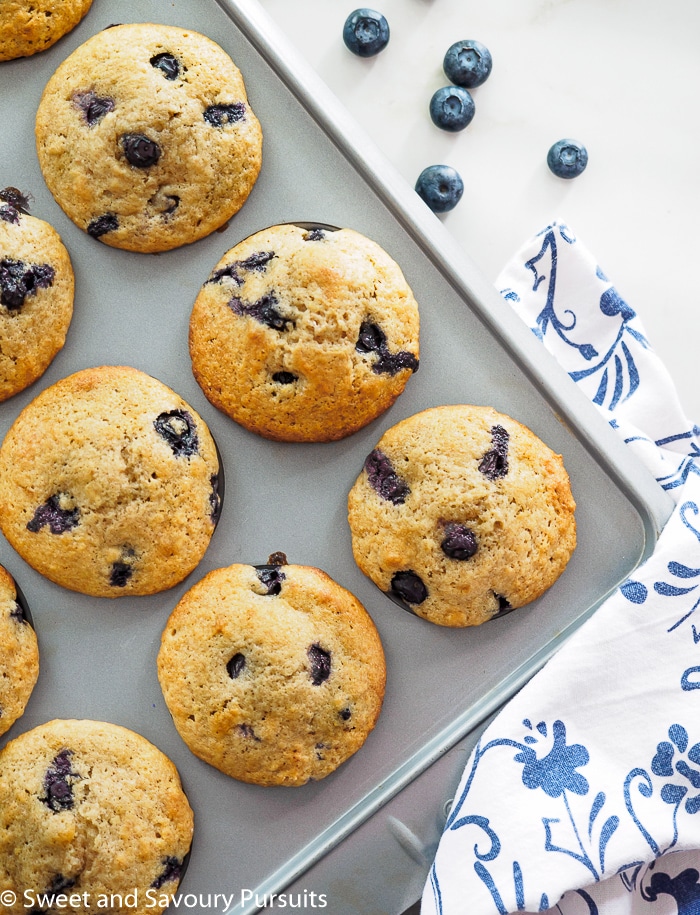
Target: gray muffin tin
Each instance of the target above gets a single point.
(364, 835)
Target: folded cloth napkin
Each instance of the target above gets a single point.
(583, 794)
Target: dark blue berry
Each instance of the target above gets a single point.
(220, 115)
(256, 262)
(271, 576)
(140, 150)
(168, 65)
(452, 108)
(179, 430)
(264, 310)
(320, 663)
(441, 187)
(372, 339)
(567, 158)
(18, 280)
(58, 783)
(284, 377)
(16, 199)
(494, 464)
(245, 730)
(384, 480)
(20, 611)
(504, 606)
(366, 32)
(315, 234)
(216, 496)
(52, 515)
(8, 213)
(123, 568)
(467, 63)
(459, 542)
(409, 587)
(235, 665)
(172, 870)
(60, 883)
(108, 222)
(345, 714)
(93, 107)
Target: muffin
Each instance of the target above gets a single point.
(19, 653)
(30, 26)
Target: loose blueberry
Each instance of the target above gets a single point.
(179, 430)
(172, 870)
(123, 568)
(372, 339)
(320, 663)
(58, 783)
(216, 497)
(257, 262)
(366, 32)
(16, 199)
(58, 514)
(384, 480)
(93, 107)
(220, 115)
(168, 65)
(459, 542)
(567, 158)
(18, 280)
(440, 187)
(494, 464)
(467, 63)
(284, 377)
(235, 665)
(108, 222)
(264, 310)
(140, 150)
(452, 108)
(271, 576)
(409, 586)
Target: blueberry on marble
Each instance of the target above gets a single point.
(458, 542)
(467, 63)
(92, 107)
(320, 663)
(452, 108)
(168, 65)
(140, 150)
(18, 280)
(16, 199)
(123, 568)
(366, 32)
(383, 479)
(257, 262)
(409, 587)
(235, 665)
(101, 225)
(58, 782)
(494, 464)
(172, 870)
(263, 310)
(567, 158)
(271, 577)
(178, 429)
(440, 187)
(216, 497)
(220, 115)
(58, 513)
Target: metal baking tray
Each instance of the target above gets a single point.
(98, 655)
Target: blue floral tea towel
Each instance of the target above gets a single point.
(583, 795)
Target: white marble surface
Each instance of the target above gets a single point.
(621, 76)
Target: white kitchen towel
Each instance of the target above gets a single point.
(583, 795)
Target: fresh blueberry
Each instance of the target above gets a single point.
(384, 480)
(101, 225)
(56, 514)
(452, 108)
(494, 464)
(235, 665)
(179, 430)
(140, 150)
(320, 663)
(409, 586)
(168, 65)
(459, 542)
(441, 187)
(467, 63)
(366, 32)
(58, 783)
(220, 115)
(92, 106)
(567, 158)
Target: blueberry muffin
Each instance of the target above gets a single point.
(36, 294)
(30, 26)
(109, 484)
(461, 514)
(19, 654)
(273, 674)
(304, 334)
(90, 810)
(146, 138)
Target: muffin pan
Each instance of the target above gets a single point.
(98, 655)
